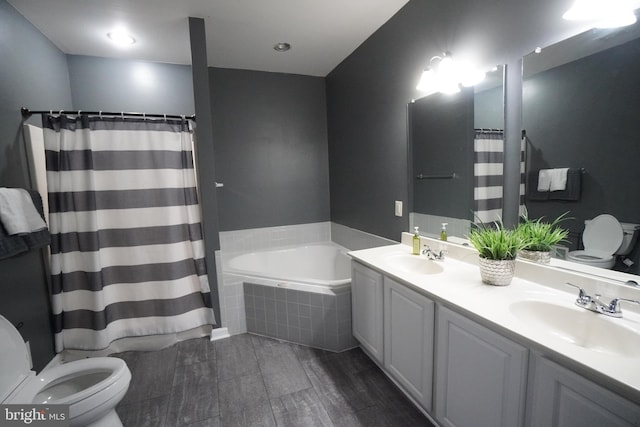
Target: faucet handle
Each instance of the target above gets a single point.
(614, 306)
(583, 298)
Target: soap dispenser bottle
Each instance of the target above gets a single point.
(443, 232)
(416, 241)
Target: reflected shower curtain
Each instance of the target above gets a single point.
(522, 208)
(127, 252)
(488, 147)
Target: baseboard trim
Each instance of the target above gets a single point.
(219, 333)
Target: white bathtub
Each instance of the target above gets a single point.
(300, 294)
(317, 265)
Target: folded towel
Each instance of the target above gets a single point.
(11, 245)
(544, 180)
(558, 179)
(532, 188)
(17, 212)
(573, 189)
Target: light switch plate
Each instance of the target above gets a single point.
(398, 207)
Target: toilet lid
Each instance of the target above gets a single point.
(603, 233)
(14, 359)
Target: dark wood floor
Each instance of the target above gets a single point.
(248, 380)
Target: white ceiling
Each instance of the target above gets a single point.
(240, 33)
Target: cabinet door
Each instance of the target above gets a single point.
(562, 398)
(480, 375)
(366, 296)
(408, 340)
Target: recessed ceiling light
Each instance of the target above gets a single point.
(282, 47)
(121, 38)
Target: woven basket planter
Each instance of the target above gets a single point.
(542, 257)
(497, 272)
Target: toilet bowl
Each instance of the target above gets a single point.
(604, 238)
(91, 387)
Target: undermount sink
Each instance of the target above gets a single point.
(414, 264)
(580, 327)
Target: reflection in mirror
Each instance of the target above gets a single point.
(443, 163)
(581, 110)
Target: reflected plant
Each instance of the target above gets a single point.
(539, 235)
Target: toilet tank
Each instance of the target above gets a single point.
(629, 239)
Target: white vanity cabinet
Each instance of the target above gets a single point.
(562, 398)
(480, 376)
(367, 309)
(408, 340)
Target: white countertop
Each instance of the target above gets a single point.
(459, 286)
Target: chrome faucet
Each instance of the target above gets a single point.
(594, 304)
(433, 255)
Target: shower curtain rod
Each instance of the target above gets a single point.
(26, 113)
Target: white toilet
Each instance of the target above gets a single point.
(604, 238)
(91, 387)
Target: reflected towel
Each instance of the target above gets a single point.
(544, 180)
(17, 212)
(574, 186)
(532, 188)
(558, 179)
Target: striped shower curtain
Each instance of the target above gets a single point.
(127, 252)
(488, 147)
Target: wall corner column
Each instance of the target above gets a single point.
(512, 138)
(205, 155)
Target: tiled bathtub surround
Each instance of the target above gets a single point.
(250, 240)
(254, 239)
(238, 241)
(313, 319)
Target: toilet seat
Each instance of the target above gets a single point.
(72, 383)
(602, 237)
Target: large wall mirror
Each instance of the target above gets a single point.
(443, 165)
(581, 110)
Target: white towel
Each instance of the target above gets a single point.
(17, 212)
(544, 180)
(558, 179)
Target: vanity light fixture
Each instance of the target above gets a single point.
(605, 13)
(445, 75)
(121, 38)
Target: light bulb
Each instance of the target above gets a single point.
(427, 81)
(121, 38)
(609, 14)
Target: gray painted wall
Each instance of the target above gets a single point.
(123, 85)
(271, 148)
(368, 92)
(34, 74)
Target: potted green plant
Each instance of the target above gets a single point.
(539, 236)
(498, 248)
